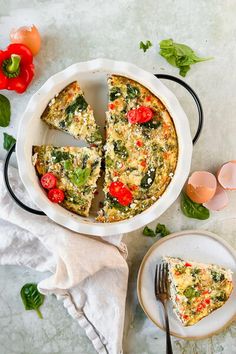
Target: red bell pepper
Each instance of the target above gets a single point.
(16, 68)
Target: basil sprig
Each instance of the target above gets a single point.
(32, 298)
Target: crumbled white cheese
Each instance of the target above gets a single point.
(149, 181)
(171, 174)
(132, 206)
(52, 102)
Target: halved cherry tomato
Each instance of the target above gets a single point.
(145, 114)
(48, 180)
(56, 195)
(116, 189)
(133, 116)
(207, 301)
(125, 198)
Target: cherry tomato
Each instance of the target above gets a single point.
(133, 116)
(111, 106)
(207, 301)
(48, 180)
(56, 195)
(139, 143)
(125, 198)
(188, 264)
(116, 189)
(145, 114)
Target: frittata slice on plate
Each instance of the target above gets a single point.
(140, 155)
(69, 112)
(197, 289)
(77, 170)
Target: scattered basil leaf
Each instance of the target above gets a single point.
(217, 276)
(32, 298)
(8, 141)
(148, 232)
(179, 55)
(5, 111)
(145, 46)
(95, 137)
(162, 230)
(80, 176)
(222, 296)
(192, 209)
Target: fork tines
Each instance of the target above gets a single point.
(161, 280)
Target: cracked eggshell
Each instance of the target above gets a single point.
(219, 201)
(201, 186)
(227, 175)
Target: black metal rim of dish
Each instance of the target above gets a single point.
(159, 76)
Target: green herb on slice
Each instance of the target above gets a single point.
(8, 141)
(162, 230)
(148, 232)
(31, 297)
(179, 55)
(145, 46)
(68, 165)
(5, 111)
(79, 104)
(58, 156)
(217, 276)
(190, 292)
(114, 93)
(192, 209)
(148, 178)
(120, 149)
(80, 176)
(132, 91)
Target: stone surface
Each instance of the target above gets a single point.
(74, 31)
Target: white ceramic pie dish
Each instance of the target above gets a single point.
(92, 77)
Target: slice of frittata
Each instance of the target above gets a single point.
(142, 155)
(69, 112)
(77, 170)
(197, 289)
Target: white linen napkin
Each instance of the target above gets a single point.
(89, 274)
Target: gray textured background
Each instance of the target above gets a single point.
(74, 31)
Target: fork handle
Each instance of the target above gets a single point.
(168, 339)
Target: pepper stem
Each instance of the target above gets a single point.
(14, 64)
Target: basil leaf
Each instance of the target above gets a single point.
(190, 292)
(5, 111)
(58, 156)
(115, 204)
(79, 104)
(148, 178)
(179, 55)
(120, 149)
(68, 165)
(95, 137)
(80, 176)
(115, 93)
(148, 232)
(145, 46)
(132, 91)
(162, 230)
(31, 297)
(192, 209)
(8, 141)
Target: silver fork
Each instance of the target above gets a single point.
(161, 292)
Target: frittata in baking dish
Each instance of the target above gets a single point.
(141, 150)
(69, 112)
(76, 169)
(197, 289)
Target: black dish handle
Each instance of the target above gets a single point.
(8, 186)
(195, 97)
(159, 76)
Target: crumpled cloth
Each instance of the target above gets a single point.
(89, 274)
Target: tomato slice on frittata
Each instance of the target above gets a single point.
(141, 149)
(76, 170)
(69, 112)
(197, 289)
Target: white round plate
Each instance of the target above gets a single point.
(92, 76)
(193, 245)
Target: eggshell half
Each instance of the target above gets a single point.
(227, 175)
(219, 201)
(201, 186)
